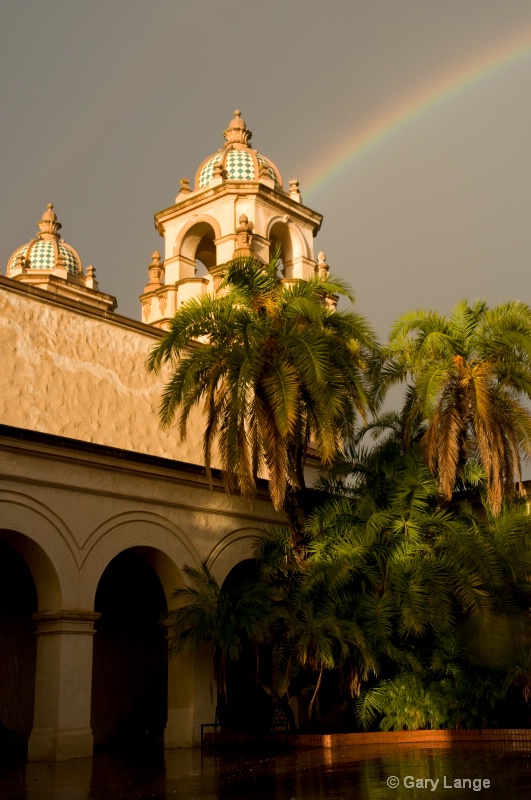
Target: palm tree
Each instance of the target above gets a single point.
(276, 370)
(410, 574)
(430, 564)
(316, 635)
(311, 629)
(471, 376)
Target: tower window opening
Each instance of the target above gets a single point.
(277, 251)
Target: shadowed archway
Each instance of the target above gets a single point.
(129, 684)
(250, 676)
(18, 601)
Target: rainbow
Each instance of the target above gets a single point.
(405, 112)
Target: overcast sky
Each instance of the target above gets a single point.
(106, 105)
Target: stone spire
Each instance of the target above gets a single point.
(155, 272)
(237, 133)
(48, 226)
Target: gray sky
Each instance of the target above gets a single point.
(106, 105)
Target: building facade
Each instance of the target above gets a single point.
(100, 508)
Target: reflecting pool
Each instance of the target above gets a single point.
(368, 772)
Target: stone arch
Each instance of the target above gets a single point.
(197, 241)
(164, 548)
(234, 547)
(279, 236)
(145, 530)
(18, 602)
(250, 676)
(292, 244)
(129, 698)
(46, 545)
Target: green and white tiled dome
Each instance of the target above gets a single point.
(47, 251)
(239, 166)
(238, 161)
(207, 170)
(44, 255)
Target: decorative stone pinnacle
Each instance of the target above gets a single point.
(244, 226)
(48, 226)
(237, 133)
(322, 267)
(219, 171)
(184, 188)
(21, 262)
(244, 237)
(90, 279)
(294, 190)
(155, 270)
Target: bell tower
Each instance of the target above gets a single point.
(238, 206)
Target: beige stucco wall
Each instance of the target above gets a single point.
(69, 513)
(69, 509)
(80, 375)
(83, 509)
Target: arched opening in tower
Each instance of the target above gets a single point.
(129, 679)
(18, 601)
(205, 257)
(281, 248)
(198, 247)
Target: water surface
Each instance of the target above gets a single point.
(335, 774)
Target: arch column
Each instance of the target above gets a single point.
(179, 727)
(191, 696)
(61, 725)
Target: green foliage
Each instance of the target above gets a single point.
(275, 369)
(442, 595)
(459, 698)
(398, 581)
(224, 618)
(471, 376)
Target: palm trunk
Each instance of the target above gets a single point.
(296, 520)
(281, 702)
(314, 696)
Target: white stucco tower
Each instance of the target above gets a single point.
(238, 206)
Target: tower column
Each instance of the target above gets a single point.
(61, 725)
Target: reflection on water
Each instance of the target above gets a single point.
(339, 774)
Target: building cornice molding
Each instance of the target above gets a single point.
(46, 446)
(78, 307)
(281, 200)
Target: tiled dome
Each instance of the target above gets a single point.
(47, 251)
(238, 161)
(43, 255)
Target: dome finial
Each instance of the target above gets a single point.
(48, 226)
(237, 133)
